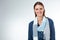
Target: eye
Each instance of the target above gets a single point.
(40, 8)
(36, 9)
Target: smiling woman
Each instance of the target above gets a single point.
(42, 27)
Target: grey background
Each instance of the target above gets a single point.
(16, 14)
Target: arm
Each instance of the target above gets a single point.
(30, 32)
(52, 30)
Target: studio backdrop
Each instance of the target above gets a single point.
(15, 16)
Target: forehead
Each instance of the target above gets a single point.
(39, 6)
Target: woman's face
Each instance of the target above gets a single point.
(39, 10)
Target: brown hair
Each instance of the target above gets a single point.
(39, 3)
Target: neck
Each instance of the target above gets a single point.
(39, 19)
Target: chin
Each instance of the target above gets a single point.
(40, 15)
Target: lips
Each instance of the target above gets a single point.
(39, 12)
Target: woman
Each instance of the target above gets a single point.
(42, 27)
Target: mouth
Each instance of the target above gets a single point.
(39, 13)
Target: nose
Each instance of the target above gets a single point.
(39, 10)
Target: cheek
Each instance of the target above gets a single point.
(39, 11)
(36, 11)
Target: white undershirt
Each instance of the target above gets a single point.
(35, 38)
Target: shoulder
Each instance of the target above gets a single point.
(30, 25)
(50, 20)
(31, 22)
